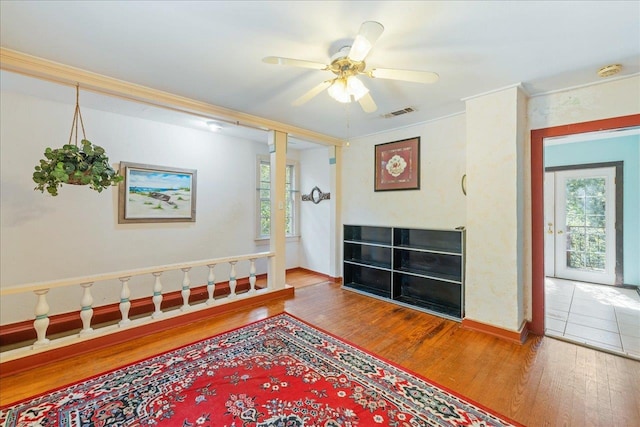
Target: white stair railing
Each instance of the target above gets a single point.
(41, 322)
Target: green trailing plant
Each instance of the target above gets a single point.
(71, 164)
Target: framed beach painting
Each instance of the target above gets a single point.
(156, 194)
(398, 165)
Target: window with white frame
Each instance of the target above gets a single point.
(263, 200)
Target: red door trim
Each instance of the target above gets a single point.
(536, 325)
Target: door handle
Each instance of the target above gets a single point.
(550, 231)
(559, 231)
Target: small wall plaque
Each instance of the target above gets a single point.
(316, 196)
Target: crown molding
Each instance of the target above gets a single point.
(516, 85)
(18, 62)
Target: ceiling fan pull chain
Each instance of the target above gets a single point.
(347, 114)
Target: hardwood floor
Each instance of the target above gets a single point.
(544, 382)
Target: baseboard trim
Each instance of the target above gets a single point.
(326, 276)
(19, 365)
(518, 337)
(23, 331)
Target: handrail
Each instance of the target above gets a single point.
(23, 288)
(85, 310)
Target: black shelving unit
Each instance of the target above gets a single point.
(420, 268)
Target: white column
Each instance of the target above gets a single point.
(42, 318)
(278, 263)
(496, 136)
(211, 284)
(252, 276)
(157, 295)
(232, 280)
(335, 221)
(186, 291)
(86, 312)
(125, 304)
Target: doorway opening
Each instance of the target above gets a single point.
(586, 251)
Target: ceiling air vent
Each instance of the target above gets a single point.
(399, 112)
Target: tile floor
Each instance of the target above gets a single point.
(598, 316)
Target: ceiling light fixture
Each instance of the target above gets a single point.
(344, 88)
(214, 126)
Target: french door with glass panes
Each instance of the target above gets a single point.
(584, 233)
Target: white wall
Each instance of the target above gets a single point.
(493, 293)
(609, 99)
(315, 221)
(76, 233)
(439, 203)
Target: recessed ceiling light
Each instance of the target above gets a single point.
(609, 70)
(214, 126)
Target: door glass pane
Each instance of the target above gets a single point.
(585, 223)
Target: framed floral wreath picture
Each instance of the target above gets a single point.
(398, 165)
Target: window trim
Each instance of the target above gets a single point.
(295, 236)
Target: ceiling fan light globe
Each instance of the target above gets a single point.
(356, 88)
(338, 91)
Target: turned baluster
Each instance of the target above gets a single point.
(86, 312)
(42, 318)
(232, 280)
(157, 295)
(186, 291)
(252, 277)
(125, 304)
(211, 285)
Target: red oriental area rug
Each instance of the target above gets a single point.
(277, 372)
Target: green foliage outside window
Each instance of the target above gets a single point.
(264, 190)
(585, 223)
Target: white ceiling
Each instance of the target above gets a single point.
(211, 51)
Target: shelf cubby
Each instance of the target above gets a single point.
(371, 280)
(366, 234)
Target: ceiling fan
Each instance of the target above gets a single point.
(347, 64)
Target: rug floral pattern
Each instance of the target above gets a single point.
(278, 372)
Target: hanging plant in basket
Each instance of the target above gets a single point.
(86, 164)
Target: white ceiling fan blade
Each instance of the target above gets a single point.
(294, 62)
(367, 104)
(406, 75)
(370, 32)
(313, 92)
